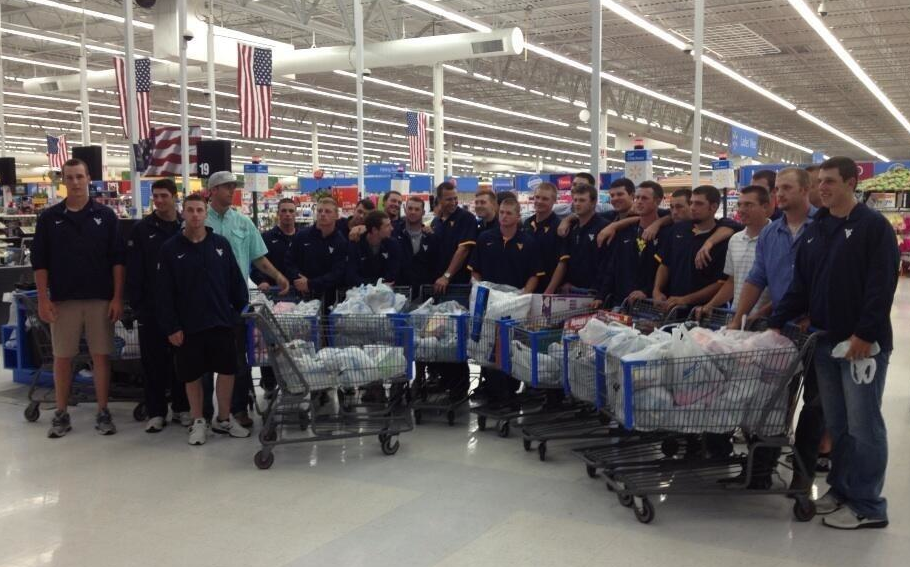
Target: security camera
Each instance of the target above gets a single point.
(79, 108)
(188, 35)
(823, 8)
(688, 48)
(367, 71)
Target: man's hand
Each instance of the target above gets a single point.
(596, 304)
(284, 286)
(441, 284)
(859, 349)
(659, 297)
(115, 310)
(736, 323)
(650, 233)
(703, 258)
(302, 285)
(356, 232)
(565, 225)
(264, 286)
(427, 229)
(676, 301)
(47, 311)
(702, 311)
(565, 289)
(803, 324)
(176, 339)
(636, 295)
(606, 235)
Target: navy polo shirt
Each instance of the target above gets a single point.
(483, 226)
(142, 249)
(320, 259)
(548, 243)
(511, 262)
(417, 267)
(678, 251)
(584, 257)
(278, 243)
(365, 267)
(459, 229)
(79, 249)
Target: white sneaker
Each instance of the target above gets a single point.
(827, 504)
(183, 418)
(230, 427)
(199, 430)
(847, 519)
(154, 425)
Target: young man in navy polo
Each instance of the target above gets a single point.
(201, 293)
(419, 247)
(316, 258)
(456, 230)
(344, 225)
(143, 245)
(543, 226)
(278, 241)
(486, 209)
(78, 260)
(376, 255)
(581, 261)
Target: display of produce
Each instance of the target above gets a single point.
(898, 179)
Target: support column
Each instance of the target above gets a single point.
(451, 164)
(438, 126)
(596, 64)
(83, 92)
(358, 63)
(314, 140)
(2, 81)
(603, 164)
(130, 65)
(210, 71)
(184, 118)
(698, 40)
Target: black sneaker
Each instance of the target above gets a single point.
(104, 424)
(60, 425)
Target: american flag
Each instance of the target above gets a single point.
(57, 152)
(143, 87)
(417, 140)
(254, 84)
(163, 155)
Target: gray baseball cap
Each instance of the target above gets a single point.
(222, 178)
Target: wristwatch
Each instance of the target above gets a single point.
(447, 275)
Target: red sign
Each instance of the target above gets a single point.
(318, 174)
(866, 170)
(346, 197)
(564, 182)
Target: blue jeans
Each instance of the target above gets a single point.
(853, 415)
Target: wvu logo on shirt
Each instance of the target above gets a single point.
(97, 221)
(425, 247)
(385, 255)
(591, 237)
(640, 242)
(546, 229)
(451, 223)
(220, 251)
(331, 250)
(848, 232)
(520, 245)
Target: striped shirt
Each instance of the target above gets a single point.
(740, 257)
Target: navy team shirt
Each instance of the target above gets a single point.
(511, 262)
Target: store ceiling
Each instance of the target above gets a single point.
(764, 40)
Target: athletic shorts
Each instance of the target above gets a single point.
(90, 315)
(212, 350)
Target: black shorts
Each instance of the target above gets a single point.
(212, 350)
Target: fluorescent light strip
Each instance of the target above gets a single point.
(49, 65)
(439, 11)
(838, 133)
(92, 13)
(808, 14)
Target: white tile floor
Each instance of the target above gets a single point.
(450, 497)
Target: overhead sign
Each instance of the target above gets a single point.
(256, 177)
(722, 175)
(743, 142)
(383, 168)
(503, 184)
(818, 157)
(534, 181)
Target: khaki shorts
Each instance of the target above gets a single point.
(74, 316)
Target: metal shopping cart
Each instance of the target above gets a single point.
(648, 315)
(696, 397)
(383, 366)
(126, 365)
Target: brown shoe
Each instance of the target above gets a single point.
(243, 418)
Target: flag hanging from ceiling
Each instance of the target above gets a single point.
(164, 151)
(143, 88)
(254, 85)
(417, 140)
(57, 152)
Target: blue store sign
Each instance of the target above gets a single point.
(743, 142)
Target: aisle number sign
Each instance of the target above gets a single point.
(639, 166)
(722, 175)
(256, 177)
(743, 142)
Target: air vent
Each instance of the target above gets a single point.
(732, 40)
(492, 46)
(49, 87)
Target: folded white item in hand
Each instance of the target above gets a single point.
(863, 369)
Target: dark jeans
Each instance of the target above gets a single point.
(158, 372)
(810, 429)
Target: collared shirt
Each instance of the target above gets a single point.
(320, 259)
(246, 242)
(775, 253)
(418, 260)
(278, 243)
(79, 249)
(459, 229)
(483, 226)
(584, 257)
(364, 266)
(142, 249)
(678, 254)
(548, 243)
(740, 258)
(511, 262)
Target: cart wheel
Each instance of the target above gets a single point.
(418, 417)
(592, 471)
(139, 413)
(450, 416)
(803, 509)
(389, 448)
(669, 447)
(303, 416)
(482, 422)
(503, 429)
(33, 412)
(269, 435)
(626, 500)
(645, 512)
(527, 444)
(263, 460)
(542, 451)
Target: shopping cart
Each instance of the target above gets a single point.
(383, 367)
(126, 365)
(696, 397)
(648, 315)
(292, 325)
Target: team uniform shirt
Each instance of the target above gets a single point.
(585, 259)
(79, 249)
(483, 226)
(511, 262)
(321, 260)
(459, 229)
(246, 242)
(200, 285)
(142, 248)
(278, 243)
(775, 256)
(418, 257)
(548, 243)
(365, 267)
(739, 262)
(678, 254)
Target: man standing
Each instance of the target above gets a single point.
(375, 256)
(543, 226)
(344, 225)
(754, 208)
(278, 241)
(316, 258)
(143, 246)
(419, 247)
(201, 294)
(486, 210)
(249, 249)
(814, 198)
(78, 261)
(456, 230)
(391, 203)
(580, 263)
(845, 277)
(767, 178)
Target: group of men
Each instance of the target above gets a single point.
(804, 248)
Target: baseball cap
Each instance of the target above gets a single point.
(222, 178)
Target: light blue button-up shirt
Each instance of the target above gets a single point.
(246, 242)
(775, 255)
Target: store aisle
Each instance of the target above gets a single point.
(450, 497)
